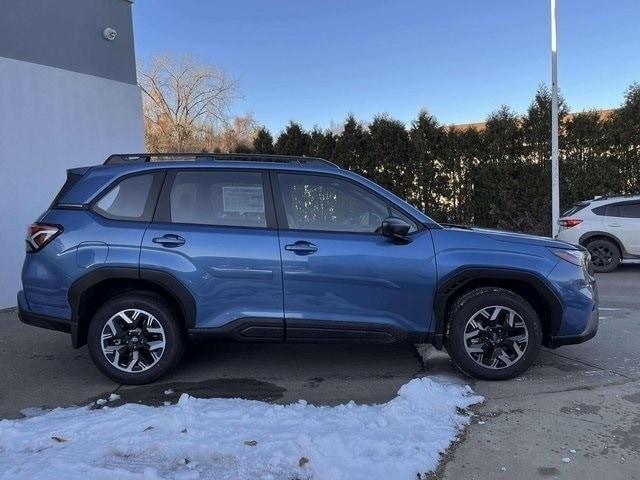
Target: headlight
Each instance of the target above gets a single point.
(577, 257)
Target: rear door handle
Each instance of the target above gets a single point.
(301, 247)
(169, 240)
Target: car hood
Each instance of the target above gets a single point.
(522, 238)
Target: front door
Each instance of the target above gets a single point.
(214, 230)
(342, 279)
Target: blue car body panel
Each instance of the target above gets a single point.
(88, 242)
(235, 273)
(579, 299)
(359, 278)
(470, 248)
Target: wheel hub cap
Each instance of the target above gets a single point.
(133, 340)
(496, 337)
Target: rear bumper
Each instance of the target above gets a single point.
(39, 320)
(44, 321)
(588, 334)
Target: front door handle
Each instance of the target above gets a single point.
(301, 248)
(169, 240)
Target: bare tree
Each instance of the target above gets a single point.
(184, 102)
(238, 135)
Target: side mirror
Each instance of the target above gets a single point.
(396, 229)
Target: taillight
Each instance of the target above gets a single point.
(569, 222)
(40, 234)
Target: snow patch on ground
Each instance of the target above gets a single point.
(429, 355)
(425, 352)
(240, 439)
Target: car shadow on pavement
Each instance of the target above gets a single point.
(318, 373)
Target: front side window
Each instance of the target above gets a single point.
(325, 203)
(129, 199)
(220, 198)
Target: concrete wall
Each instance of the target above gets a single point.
(65, 101)
(68, 34)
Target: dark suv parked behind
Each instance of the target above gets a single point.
(136, 254)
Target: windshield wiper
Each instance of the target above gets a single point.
(455, 225)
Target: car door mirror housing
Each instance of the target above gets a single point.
(396, 229)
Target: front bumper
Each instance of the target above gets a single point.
(588, 334)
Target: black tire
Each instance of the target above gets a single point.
(155, 305)
(605, 255)
(476, 300)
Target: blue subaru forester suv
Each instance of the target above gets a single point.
(137, 254)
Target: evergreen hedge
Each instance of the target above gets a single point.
(497, 177)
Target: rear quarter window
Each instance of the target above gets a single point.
(133, 198)
(575, 209)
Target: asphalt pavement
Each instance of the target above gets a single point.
(580, 403)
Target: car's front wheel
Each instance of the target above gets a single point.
(135, 338)
(494, 334)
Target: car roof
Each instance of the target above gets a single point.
(587, 206)
(613, 199)
(124, 163)
(119, 168)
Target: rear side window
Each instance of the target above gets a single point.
(629, 210)
(217, 198)
(621, 210)
(133, 198)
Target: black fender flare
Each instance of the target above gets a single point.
(584, 239)
(163, 279)
(459, 278)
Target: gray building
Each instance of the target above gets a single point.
(68, 97)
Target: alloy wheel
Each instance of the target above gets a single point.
(133, 340)
(601, 256)
(496, 337)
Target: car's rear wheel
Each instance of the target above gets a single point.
(605, 255)
(135, 338)
(494, 334)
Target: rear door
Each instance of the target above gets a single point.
(214, 230)
(343, 279)
(623, 220)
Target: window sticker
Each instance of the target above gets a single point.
(242, 199)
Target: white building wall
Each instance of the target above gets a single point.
(50, 120)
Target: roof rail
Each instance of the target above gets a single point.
(219, 157)
(609, 195)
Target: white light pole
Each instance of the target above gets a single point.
(555, 181)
